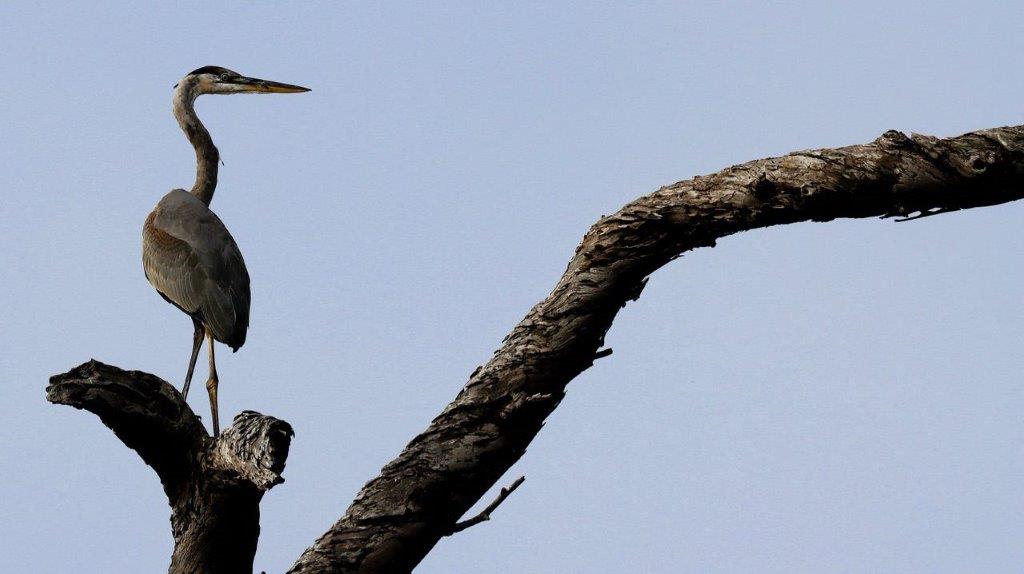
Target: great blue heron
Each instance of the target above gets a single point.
(187, 253)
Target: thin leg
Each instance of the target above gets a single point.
(211, 387)
(197, 342)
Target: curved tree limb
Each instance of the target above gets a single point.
(214, 486)
(401, 514)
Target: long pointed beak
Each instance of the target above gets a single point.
(267, 86)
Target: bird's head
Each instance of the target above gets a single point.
(217, 80)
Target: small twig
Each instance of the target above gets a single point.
(927, 213)
(485, 514)
(602, 353)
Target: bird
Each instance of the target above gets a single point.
(188, 255)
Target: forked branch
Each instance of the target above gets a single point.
(214, 487)
(395, 520)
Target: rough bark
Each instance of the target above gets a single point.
(418, 498)
(401, 514)
(214, 486)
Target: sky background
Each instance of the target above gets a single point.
(840, 397)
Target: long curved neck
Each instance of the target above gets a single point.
(207, 156)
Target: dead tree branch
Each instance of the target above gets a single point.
(397, 518)
(214, 486)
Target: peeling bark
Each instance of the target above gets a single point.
(398, 517)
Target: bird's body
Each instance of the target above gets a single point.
(187, 253)
(192, 260)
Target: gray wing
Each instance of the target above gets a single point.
(191, 259)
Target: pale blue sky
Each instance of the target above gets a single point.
(840, 397)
